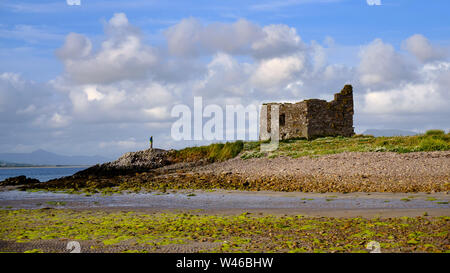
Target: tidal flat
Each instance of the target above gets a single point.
(49, 230)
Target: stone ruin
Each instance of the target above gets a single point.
(311, 118)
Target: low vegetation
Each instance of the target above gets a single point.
(432, 140)
(106, 231)
(212, 153)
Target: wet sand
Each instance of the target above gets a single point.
(235, 202)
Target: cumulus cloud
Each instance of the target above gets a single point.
(419, 105)
(122, 55)
(22, 100)
(75, 46)
(382, 65)
(192, 38)
(274, 72)
(122, 90)
(123, 102)
(278, 40)
(410, 98)
(396, 91)
(422, 49)
(224, 68)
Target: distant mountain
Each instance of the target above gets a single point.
(41, 157)
(388, 132)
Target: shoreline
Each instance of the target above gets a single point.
(47, 166)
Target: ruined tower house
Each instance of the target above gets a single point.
(312, 118)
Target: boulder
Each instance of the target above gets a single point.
(18, 180)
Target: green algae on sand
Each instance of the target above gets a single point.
(128, 231)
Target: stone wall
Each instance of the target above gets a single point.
(334, 118)
(312, 118)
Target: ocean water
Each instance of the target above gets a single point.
(43, 174)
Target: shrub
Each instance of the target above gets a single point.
(362, 136)
(434, 132)
(433, 144)
(213, 152)
(230, 150)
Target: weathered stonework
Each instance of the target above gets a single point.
(312, 118)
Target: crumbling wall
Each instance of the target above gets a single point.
(312, 118)
(334, 118)
(292, 120)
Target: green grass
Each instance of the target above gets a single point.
(154, 232)
(214, 152)
(435, 132)
(432, 140)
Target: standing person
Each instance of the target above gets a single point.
(151, 142)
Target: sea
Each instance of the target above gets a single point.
(42, 173)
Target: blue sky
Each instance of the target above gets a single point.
(320, 44)
(348, 22)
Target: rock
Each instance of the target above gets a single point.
(132, 162)
(18, 180)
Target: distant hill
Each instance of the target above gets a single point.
(388, 132)
(11, 164)
(41, 157)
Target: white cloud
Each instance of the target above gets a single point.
(73, 2)
(191, 38)
(373, 2)
(272, 73)
(92, 93)
(319, 56)
(422, 49)
(399, 92)
(58, 121)
(382, 65)
(130, 143)
(124, 90)
(410, 98)
(419, 105)
(121, 56)
(75, 46)
(157, 113)
(31, 104)
(278, 40)
(225, 76)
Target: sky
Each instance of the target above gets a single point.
(99, 77)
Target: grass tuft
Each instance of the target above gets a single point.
(213, 153)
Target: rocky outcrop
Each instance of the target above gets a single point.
(18, 180)
(131, 162)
